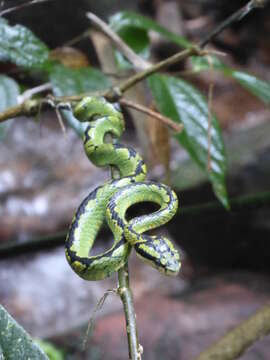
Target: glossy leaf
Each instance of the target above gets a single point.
(133, 29)
(258, 87)
(66, 81)
(202, 63)
(138, 40)
(124, 20)
(15, 343)
(9, 92)
(21, 47)
(181, 102)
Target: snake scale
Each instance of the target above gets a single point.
(111, 201)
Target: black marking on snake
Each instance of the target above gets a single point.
(79, 212)
(139, 168)
(132, 153)
(88, 261)
(87, 137)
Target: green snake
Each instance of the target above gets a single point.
(111, 201)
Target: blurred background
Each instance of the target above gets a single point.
(44, 175)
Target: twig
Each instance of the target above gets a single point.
(60, 120)
(19, 7)
(133, 80)
(124, 291)
(92, 317)
(165, 120)
(135, 60)
(238, 340)
(237, 16)
(36, 90)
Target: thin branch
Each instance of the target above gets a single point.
(124, 291)
(135, 60)
(133, 80)
(19, 7)
(238, 340)
(237, 16)
(34, 91)
(164, 119)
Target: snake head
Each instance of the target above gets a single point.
(160, 253)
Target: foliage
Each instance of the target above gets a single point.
(9, 92)
(180, 101)
(21, 47)
(15, 343)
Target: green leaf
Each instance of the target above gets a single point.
(9, 92)
(20, 46)
(203, 63)
(125, 20)
(258, 87)
(138, 40)
(181, 102)
(133, 28)
(15, 343)
(66, 81)
(51, 351)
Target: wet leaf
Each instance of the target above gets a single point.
(21, 47)
(181, 102)
(15, 343)
(9, 92)
(66, 81)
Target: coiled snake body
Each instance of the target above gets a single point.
(110, 202)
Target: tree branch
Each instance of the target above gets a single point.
(19, 7)
(238, 340)
(135, 60)
(124, 291)
(164, 119)
(237, 16)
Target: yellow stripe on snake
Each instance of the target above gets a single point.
(111, 201)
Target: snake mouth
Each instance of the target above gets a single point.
(173, 268)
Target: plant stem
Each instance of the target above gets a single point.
(19, 7)
(136, 60)
(237, 16)
(125, 294)
(164, 119)
(236, 341)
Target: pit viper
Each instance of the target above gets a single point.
(110, 202)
